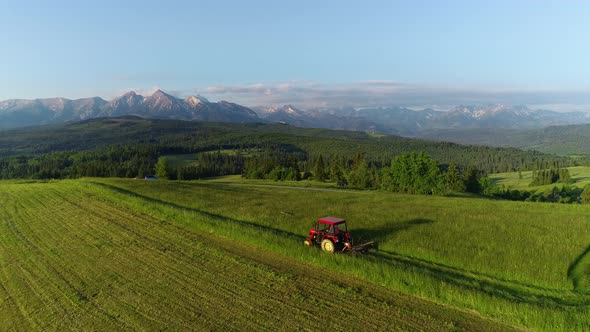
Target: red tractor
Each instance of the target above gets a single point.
(331, 234)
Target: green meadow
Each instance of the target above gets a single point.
(119, 253)
(512, 180)
(190, 159)
(181, 160)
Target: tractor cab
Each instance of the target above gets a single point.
(330, 233)
(332, 226)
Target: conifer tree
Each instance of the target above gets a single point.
(471, 179)
(319, 169)
(162, 168)
(453, 180)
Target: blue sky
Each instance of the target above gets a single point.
(436, 52)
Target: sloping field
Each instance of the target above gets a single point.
(580, 175)
(78, 256)
(523, 263)
(481, 236)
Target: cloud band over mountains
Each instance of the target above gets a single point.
(387, 93)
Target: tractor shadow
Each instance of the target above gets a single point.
(213, 216)
(384, 233)
(576, 272)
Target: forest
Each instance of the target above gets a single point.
(132, 147)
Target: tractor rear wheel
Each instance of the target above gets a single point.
(307, 243)
(328, 246)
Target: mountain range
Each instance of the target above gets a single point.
(407, 122)
(400, 121)
(160, 105)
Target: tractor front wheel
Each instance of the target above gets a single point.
(328, 246)
(307, 243)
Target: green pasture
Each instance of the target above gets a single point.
(375, 135)
(190, 159)
(239, 180)
(512, 180)
(181, 160)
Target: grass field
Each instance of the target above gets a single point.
(580, 174)
(190, 159)
(138, 254)
(239, 180)
(70, 260)
(181, 160)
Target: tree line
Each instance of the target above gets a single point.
(113, 161)
(550, 176)
(411, 172)
(177, 137)
(414, 173)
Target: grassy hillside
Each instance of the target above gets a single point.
(76, 256)
(525, 264)
(561, 140)
(512, 180)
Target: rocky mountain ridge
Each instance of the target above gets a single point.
(394, 120)
(160, 105)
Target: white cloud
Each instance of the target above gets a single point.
(562, 107)
(237, 89)
(387, 93)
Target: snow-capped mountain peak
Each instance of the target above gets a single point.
(161, 105)
(194, 101)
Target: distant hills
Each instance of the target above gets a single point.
(491, 125)
(160, 105)
(180, 137)
(560, 140)
(407, 122)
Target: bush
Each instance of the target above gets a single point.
(413, 173)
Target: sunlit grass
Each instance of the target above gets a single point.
(522, 263)
(509, 260)
(512, 180)
(75, 256)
